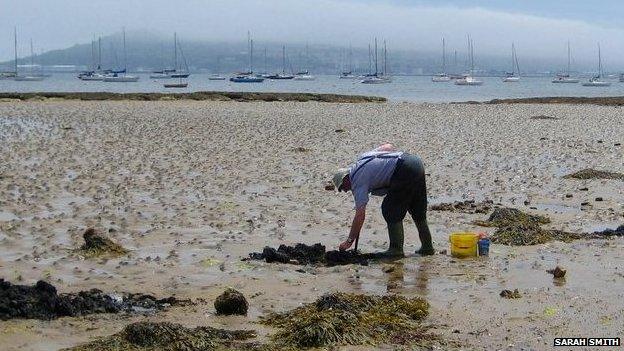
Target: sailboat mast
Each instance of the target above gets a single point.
(513, 61)
(175, 50)
(568, 72)
(15, 40)
(516, 58)
(99, 53)
(599, 62)
(124, 47)
(93, 53)
(443, 56)
(250, 55)
(32, 56)
(375, 55)
(283, 59)
(370, 64)
(350, 58)
(385, 68)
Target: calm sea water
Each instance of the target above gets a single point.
(403, 88)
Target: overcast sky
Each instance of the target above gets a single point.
(539, 28)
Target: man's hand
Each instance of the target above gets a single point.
(345, 244)
(356, 226)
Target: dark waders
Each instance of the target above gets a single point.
(407, 193)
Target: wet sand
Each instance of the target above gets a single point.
(192, 186)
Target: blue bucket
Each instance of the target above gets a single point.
(484, 247)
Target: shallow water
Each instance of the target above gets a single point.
(403, 88)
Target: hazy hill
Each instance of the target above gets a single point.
(149, 52)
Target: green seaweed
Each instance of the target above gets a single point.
(352, 319)
(197, 96)
(153, 336)
(589, 173)
(506, 216)
(97, 245)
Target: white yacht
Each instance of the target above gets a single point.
(442, 77)
(514, 75)
(468, 79)
(379, 78)
(597, 81)
(122, 76)
(562, 78)
(31, 76)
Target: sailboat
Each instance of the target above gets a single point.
(121, 76)
(469, 79)
(379, 78)
(305, 74)
(442, 77)
(175, 73)
(248, 77)
(348, 74)
(514, 75)
(96, 74)
(282, 75)
(596, 81)
(27, 77)
(565, 77)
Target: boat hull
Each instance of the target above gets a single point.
(159, 76)
(246, 80)
(511, 79)
(565, 81)
(304, 77)
(469, 81)
(29, 78)
(176, 85)
(280, 77)
(597, 84)
(121, 79)
(376, 80)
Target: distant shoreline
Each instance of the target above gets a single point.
(197, 96)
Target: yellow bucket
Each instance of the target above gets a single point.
(464, 244)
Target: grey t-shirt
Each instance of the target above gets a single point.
(371, 173)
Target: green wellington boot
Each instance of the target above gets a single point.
(426, 248)
(395, 235)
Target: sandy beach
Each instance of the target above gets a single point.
(191, 187)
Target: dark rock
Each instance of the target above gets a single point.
(42, 301)
(508, 294)
(598, 199)
(231, 302)
(619, 231)
(310, 254)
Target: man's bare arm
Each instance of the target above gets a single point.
(356, 227)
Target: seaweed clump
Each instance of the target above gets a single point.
(303, 254)
(589, 173)
(231, 302)
(97, 245)
(42, 301)
(516, 228)
(352, 319)
(152, 336)
(505, 216)
(508, 294)
(468, 206)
